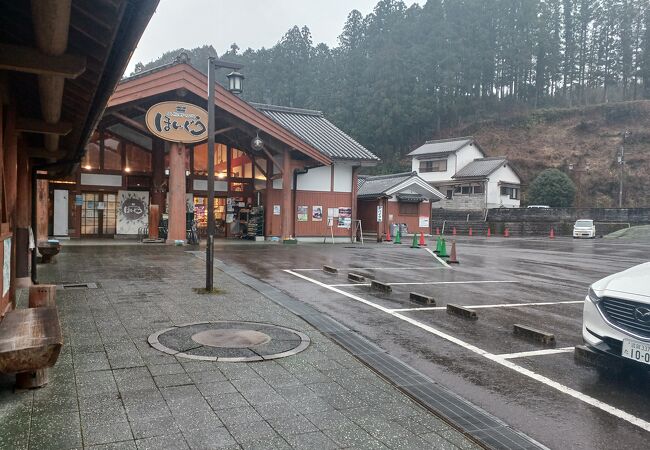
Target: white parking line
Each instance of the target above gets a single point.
(500, 305)
(492, 357)
(440, 260)
(372, 268)
(425, 282)
(549, 351)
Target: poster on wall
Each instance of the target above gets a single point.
(302, 213)
(380, 214)
(332, 212)
(423, 222)
(345, 217)
(276, 210)
(317, 213)
(6, 266)
(132, 212)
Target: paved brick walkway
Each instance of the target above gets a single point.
(110, 389)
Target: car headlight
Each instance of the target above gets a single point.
(592, 296)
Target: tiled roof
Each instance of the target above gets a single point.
(442, 146)
(375, 186)
(312, 127)
(481, 167)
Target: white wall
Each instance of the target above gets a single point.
(202, 185)
(455, 162)
(317, 179)
(494, 197)
(342, 178)
(95, 179)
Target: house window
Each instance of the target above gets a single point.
(479, 189)
(408, 209)
(466, 190)
(511, 192)
(437, 165)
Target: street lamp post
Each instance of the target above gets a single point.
(578, 175)
(621, 163)
(235, 82)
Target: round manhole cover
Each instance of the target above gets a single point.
(231, 338)
(229, 341)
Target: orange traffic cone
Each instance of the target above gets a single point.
(506, 233)
(470, 231)
(453, 231)
(437, 231)
(388, 239)
(552, 235)
(452, 256)
(422, 242)
(489, 233)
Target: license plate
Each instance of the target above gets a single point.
(637, 351)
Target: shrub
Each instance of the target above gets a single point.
(553, 188)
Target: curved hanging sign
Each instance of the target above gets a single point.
(178, 122)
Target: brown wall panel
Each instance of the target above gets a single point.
(412, 221)
(326, 200)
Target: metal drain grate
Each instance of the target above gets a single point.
(70, 286)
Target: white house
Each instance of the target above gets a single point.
(460, 169)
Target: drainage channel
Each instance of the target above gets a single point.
(70, 286)
(478, 424)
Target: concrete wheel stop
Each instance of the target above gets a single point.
(229, 341)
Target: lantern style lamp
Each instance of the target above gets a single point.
(235, 82)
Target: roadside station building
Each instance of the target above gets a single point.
(302, 183)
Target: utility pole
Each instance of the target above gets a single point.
(621, 163)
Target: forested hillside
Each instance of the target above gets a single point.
(402, 75)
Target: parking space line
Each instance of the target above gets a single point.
(548, 351)
(453, 282)
(373, 268)
(623, 415)
(440, 260)
(499, 305)
(425, 282)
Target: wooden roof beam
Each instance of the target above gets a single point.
(26, 59)
(43, 153)
(26, 125)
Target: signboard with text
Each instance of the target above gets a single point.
(178, 122)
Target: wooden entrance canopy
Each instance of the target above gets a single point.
(236, 119)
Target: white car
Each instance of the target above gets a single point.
(616, 315)
(584, 228)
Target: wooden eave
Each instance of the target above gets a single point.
(184, 76)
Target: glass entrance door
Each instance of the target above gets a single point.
(98, 214)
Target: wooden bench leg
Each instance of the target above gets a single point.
(42, 295)
(32, 380)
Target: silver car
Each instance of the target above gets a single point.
(616, 315)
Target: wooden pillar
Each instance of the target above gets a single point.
(23, 214)
(10, 161)
(177, 186)
(42, 209)
(268, 202)
(287, 181)
(353, 200)
(158, 173)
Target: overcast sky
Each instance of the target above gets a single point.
(249, 23)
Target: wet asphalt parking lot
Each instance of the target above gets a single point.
(539, 390)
